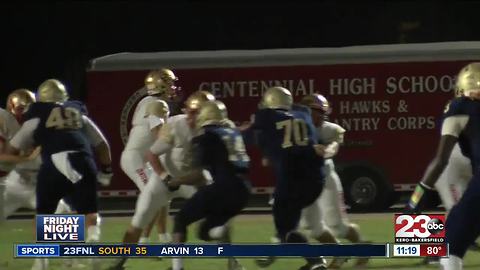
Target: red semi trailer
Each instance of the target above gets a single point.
(388, 97)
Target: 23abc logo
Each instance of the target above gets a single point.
(419, 226)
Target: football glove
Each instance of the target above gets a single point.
(167, 180)
(104, 176)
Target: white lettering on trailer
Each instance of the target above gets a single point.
(364, 106)
(354, 86)
(419, 84)
(230, 89)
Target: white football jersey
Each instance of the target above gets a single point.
(8, 127)
(140, 137)
(178, 134)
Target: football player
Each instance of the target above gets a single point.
(330, 204)
(174, 148)
(66, 137)
(220, 149)
(17, 102)
(149, 115)
(461, 123)
(286, 138)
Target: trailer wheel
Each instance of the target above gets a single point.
(366, 190)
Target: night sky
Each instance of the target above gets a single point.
(45, 40)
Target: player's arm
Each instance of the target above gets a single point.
(156, 114)
(99, 143)
(332, 149)
(252, 131)
(200, 152)
(451, 128)
(101, 149)
(162, 145)
(23, 139)
(20, 158)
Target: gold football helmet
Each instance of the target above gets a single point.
(161, 82)
(196, 99)
(212, 112)
(316, 102)
(19, 100)
(158, 108)
(468, 80)
(277, 98)
(52, 90)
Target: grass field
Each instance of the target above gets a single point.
(247, 229)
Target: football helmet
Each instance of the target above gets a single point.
(158, 108)
(52, 90)
(468, 80)
(212, 112)
(18, 102)
(277, 98)
(316, 102)
(196, 99)
(161, 82)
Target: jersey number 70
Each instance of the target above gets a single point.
(299, 128)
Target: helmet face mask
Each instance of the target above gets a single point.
(319, 106)
(317, 102)
(276, 98)
(19, 101)
(211, 113)
(468, 80)
(193, 104)
(161, 82)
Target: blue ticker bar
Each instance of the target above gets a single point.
(220, 250)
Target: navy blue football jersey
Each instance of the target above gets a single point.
(221, 151)
(469, 136)
(277, 132)
(286, 138)
(59, 128)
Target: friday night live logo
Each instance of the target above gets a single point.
(60, 228)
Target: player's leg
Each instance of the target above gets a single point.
(83, 198)
(234, 198)
(133, 165)
(155, 196)
(287, 211)
(462, 225)
(286, 218)
(3, 215)
(332, 203)
(314, 220)
(18, 193)
(47, 198)
(161, 222)
(193, 210)
(446, 189)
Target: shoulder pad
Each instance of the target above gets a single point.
(77, 105)
(301, 108)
